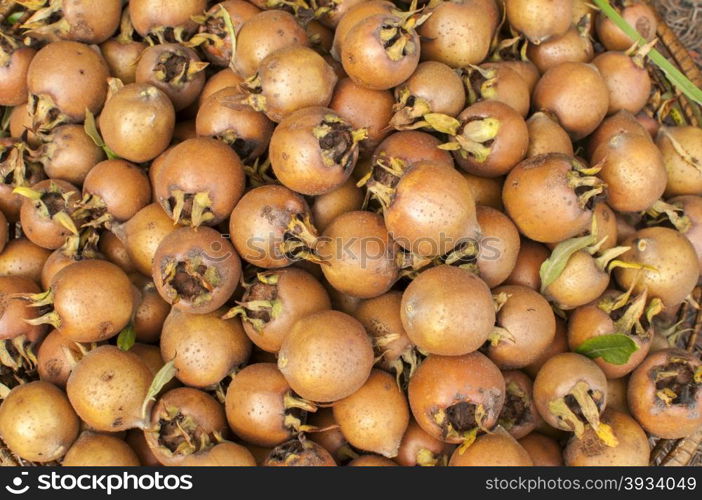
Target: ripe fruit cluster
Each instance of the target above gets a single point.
(341, 232)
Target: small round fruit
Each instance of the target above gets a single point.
(275, 301)
(291, 78)
(204, 347)
(196, 270)
(543, 450)
(498, 449)
(671, 265)
(142, 235)
(499, 246)
(16, 313)
(570, 392)
(358, 255)
(184, 421)
(539, 20)
(107, 389)
(681, 150)
(313, 150)
(557, 212)
(326, 356)
(118, 190)
(261, 408)
(69, 77)
(447, 310)
(576, 94)
(381, 51)
(199, 182)
(428, 206)
(454, 397)
(665, 394)
(37, 422)
(100, 450)
(270, 224)
(261, 35)
(84, 312)
(459, 33)
(633, 169)
(419, 448)
(299, 452)
(137, 122)
(632, 450)
(174, 69)
(57, 356)
(526, 326)
(547, 136)
(627, 79)
(375, 417)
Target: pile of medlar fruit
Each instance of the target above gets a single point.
(348, 232)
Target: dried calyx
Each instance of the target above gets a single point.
(181, 434)
(191, 209)
(44, 113)
(383, 179)
(582, 406)
(480, 83)
(472, 138)
(48, 21)
(191, 279)
(397, 35)
(409, 111)
(632, 315)
(51, 204)
(8, 45)
(217, 35)
(18, 363)
(260, 303)
(499, 334)
(16, 166)
(338, 141)
(517, 408)
(257, 173)
(463, 420)
(177, 69)
(668, 215)
(677, 382)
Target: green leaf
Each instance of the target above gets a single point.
(552, 267)
(164, 375)
(615, 348)
(126, 338)
(14, 17)
(90, 127)
(675, 76)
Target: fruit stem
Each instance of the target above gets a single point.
(499, 335)
(290, 401)
(676, 215)
(606, 257)
(51, 318)
(38, 299)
